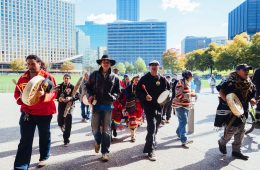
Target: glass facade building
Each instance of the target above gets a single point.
(96, 32)
(244, 18)
(127, 10)
(129, 40)
(191, 43)
(42, 27)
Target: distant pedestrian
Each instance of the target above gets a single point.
(212, 82)
(85, 112)
(197, 82)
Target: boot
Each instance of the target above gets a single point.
(132, 134)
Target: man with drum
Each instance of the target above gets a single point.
(239, 84)
(148, 89)
(64, 96)
(103, 89)
(33, 92)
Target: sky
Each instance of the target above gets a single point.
(184, 17)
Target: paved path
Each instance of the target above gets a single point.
(203, 153)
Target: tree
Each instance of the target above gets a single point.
(121, 68)
(129, 67)
(254, 51)
(236, 51)
(170, 60)
(140, 65)
(17, 65)
(193, 59)
(67, 66)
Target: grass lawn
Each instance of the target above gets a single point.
(7, 86)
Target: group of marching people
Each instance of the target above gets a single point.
(112, 100)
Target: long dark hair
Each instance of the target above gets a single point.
(38, 60)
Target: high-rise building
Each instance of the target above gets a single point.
(221, 40)
(128, 10)
(129, 40)
(42, 27)
(244, 18)
(83, 48)
(191, 43)
(96, 32)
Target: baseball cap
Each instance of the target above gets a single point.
(243, 67)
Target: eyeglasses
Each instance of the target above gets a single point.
(154, 65)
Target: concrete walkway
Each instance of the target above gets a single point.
(203, 153)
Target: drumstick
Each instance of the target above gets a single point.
(143, 86)
(14, 81)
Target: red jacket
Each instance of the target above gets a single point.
(46, 106)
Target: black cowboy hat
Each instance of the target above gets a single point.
(105, 57)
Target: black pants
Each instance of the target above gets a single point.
(153, 122)
(167, 110)
(65, 121)
(27, 129)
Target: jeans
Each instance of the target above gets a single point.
(84, 111)
(27, 129)
(153, 119)
(102, 136)
(182, 114)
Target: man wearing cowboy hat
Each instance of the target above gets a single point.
(148, 89)
(103, 88)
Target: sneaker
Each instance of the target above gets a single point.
(66, 144)
(151, 156)
(105, 157)
(239, 155)
(163, 122)
(185, 145)
(42, 163)
(97, 148)
(222, 148)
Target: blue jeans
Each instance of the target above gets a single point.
(182, 114)
(102, 136)
(84, 111)
(27, 129)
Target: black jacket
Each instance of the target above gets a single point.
(104, 89)
(153, 89)
(66, 91)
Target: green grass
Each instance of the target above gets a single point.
(7, 86)
(205, 83)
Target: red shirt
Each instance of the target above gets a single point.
(46, 105)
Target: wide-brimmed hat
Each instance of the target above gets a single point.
(105, 57)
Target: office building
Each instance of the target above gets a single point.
(129, 40)
(42, 27)
(244, 18)
(127, 10)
